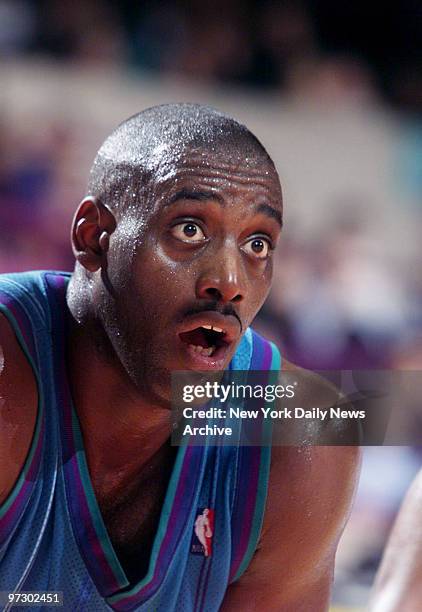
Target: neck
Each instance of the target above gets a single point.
(122, 431)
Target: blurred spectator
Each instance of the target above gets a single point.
(343, 305)
(206, 41)
(286, 37)
(83, 31)
(17, 26)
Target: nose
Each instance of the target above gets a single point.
(222, 280)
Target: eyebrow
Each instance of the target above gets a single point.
(268, 210)
(202, 196)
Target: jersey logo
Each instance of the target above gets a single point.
(203, 532)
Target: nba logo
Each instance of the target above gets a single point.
(203, 532)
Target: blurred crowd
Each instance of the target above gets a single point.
(337, 303)
(324, 48)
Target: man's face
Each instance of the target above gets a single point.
(190, 277)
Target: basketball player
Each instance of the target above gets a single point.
(174, 251)
(398, 587)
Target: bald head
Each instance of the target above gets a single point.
(184, 209)
(146, 148)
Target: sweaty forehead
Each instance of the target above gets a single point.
(166, 145)
(143, 138)
(227, 169)
(158, 154)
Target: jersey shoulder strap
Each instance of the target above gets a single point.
(253, 467)
(24, 302)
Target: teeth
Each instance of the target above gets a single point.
(206, 352)
(216, 329)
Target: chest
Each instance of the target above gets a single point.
(131, 515)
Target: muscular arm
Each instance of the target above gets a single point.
(18, 407)
(309, 499)
(398, 586)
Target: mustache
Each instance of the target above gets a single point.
(226, 310)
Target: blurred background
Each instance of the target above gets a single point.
(334, 92)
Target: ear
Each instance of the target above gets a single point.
(92, 226)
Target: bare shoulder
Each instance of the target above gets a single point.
(309, 499)
(18, 407)
(323, 415)
(312, 388)
(312, 482)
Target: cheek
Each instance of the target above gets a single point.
(162, 280)
(259, 287)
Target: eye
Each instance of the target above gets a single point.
(257, 247)
(188, 232)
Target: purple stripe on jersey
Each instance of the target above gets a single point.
(249, 467)
(11, 517)
(29, 472)
(23, 322)
(250, 458)
(181, 509)
(266, 357)
(89, 543)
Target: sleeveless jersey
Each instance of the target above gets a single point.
(52, 535)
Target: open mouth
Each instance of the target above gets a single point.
(204, 340)
(208, 338)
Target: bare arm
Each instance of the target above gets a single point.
(18, 407)
(307, 508)
(398, 586)
(309, 500)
